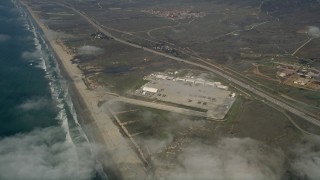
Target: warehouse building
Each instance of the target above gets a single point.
(150, 89)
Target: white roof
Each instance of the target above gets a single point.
(222, 87)
(180, 79)
(190, 80)
(150, 89)
(210, 83)
(160, 76)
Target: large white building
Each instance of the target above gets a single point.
(150, 89)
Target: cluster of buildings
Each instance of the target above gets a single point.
(187, 79)
(306, 73)
(286, 71)
(299, 76)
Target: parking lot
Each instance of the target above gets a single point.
(214, 100)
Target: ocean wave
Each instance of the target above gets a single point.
(59, 88)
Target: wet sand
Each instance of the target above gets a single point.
(95, 120)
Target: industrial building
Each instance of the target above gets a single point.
(222, 87)
(200, 81)
(210, 84)
(190, 80)
(150, 89)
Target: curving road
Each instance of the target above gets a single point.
(257, 92)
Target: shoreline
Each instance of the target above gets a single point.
(95, 123)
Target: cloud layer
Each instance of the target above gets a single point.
(307, 162)
(230, 158)
(33, 104)
(38, 155)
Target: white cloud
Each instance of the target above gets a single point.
(89, 50)
(38, 155)
(313, 31)
(31, 55)
(52, 35)
(231, 158)
(307, 162)
(33, 104)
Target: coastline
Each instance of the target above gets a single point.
(118, 158)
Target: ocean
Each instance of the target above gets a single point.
(40, 136)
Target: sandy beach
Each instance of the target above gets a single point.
(118, 147)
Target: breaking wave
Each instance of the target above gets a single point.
(46, 60)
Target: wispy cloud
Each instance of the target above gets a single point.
(230, 158)
(31, 55)
(52, 35)
(165, 134)
(89, 50)
(38, 155)
(33, 104)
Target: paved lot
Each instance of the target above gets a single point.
(216, 101)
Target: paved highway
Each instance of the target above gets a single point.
(249, 88)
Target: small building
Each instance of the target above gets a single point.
(180, 79)
(150, 89)
(160, 76)
(286, 72)
(190, 80)
(301, 81)
(222, 87)
(282, 74)
(208, 83)
(200, 82)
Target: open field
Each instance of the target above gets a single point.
(240, 35)
(156, 131)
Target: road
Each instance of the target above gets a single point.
(300, 47)
(258, 92)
